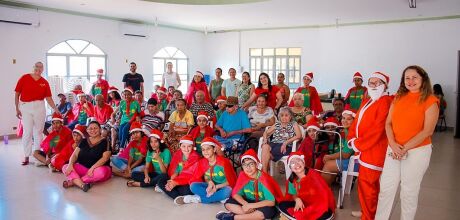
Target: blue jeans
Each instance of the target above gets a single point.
(122, 164)
(123, 134)
(227, 142)
(199, 189)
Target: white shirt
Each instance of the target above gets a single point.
(170, 79)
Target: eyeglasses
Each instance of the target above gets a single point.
(247, 165)
(374, 84)
(230, 106)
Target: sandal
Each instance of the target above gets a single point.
(130, 183)
(66, 184)
(85, 187)
(24, 163)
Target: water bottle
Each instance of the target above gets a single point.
(5, 139)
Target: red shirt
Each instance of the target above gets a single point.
(103, 114)
(271, 100)
(30, 89)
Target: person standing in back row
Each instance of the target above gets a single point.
(133, 79)
(230, 85)
(170, 78)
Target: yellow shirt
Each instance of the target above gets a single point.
(187, 120)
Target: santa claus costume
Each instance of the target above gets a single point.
(311, 97)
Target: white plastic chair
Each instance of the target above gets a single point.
(283, 159)
(347, 179)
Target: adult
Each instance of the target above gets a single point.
(339, 106)
(130, 111)
(367, 136)
(245, 89)
(274, 94)
(437, 91)
(181, 121)
(311, 97)
(133, 79)
(101, 86)
(81, 111)
(355, 95)
(90, 162)
(410, 143)
(114, 97)
(215, 87)
(196, 85)
(229, 85)
(286, 91)
(301, 114)
(170, 78)
(201, 105)
(139, 97)
(260, 116)
(31, 89)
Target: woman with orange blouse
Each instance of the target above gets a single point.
(410, 123)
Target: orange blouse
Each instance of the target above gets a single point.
(408, 117)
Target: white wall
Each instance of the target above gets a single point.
(29, 44)
(334, 54)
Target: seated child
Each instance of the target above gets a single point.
(63, 157)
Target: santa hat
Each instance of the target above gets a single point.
(156, 134)
(80, 129)
(57, 117)
(112, 89)
(251, 154)
(331, 121)
(221, 99)
(129, 89)
(210, 141)
(349, 112)
(79, 93)
(135, 126)
(357, 76)
(202, 114)
(199, 73)
(384, 77)
(161, 90)
(309, 75)
(313, 124)
(187, 139)
(295, 154)
(100, 71)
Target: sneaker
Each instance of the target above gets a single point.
(158, 190)
(223, 201)
(179, 200)
(192, 199)
(222, 215)
(39, 164)
(356, 214)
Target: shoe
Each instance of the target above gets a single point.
(192, 199)
(86, 187)
(179, 200)
(39, 164)
(223, 201)
(222, 215)
(356, 214)
(158, 190)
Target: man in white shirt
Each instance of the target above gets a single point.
(170, 78)
(229, 86)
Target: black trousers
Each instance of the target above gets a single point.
(182, 190)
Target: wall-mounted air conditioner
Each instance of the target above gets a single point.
(19, 16)
(134, 30)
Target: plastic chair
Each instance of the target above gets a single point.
(347, 179)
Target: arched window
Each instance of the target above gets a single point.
(179, 61)
(75, 61)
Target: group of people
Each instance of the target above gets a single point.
(178, 145)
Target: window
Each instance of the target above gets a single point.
(276, 60)
(179, 61)
(75, 61)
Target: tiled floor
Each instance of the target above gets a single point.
(35, 193)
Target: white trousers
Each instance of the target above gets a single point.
(408, 174)
(33, 122)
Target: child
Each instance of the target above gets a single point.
(152, 117)
(132, 157)
(255, 192)
(221, 103)
(159, 157)
(180, 171)
(162, 98)
(310, 145)
(307, 196)
(213, 179)
(201, 131)
(63, 157)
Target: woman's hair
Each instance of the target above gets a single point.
(293, 176)
(162, 147)
(263, 95)
(437, 90)
(259, 85)
(284, 110)
(117, 97)
(95, 122)
(181, 100)
(202, 78)
(218, 68)
(298, 94)
(152, 101)
(180, 92)
(249, 76)
(425, 88)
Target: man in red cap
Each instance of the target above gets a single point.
(101, 86)
(311, 97)
(54, 142)
(356, 94)
(368, 138)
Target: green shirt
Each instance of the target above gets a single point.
(248, 191)
(219, 113)
(218, 175)
(163, 105)
(165, 156)
(345, 148)
(198, 141)
(135, 154)
(180, 166)
(355, 98)
(133, 108)
(291, 189)
(54, 141)
(82, 117)
(306, 97)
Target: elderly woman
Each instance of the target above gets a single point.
(285, 132)
(201, 105)
(260, 116)
(197, 84)
(301, 114)
(181, 121)
(90, 161)
(274, 95)
(245, 89)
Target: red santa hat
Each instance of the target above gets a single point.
(221, 99)
(187, 139)
(210, 141)
(349, 112)
(112, 89)
(313, 124)
(135, 126)
(100, 71)
(80, 129)
(199, 73)
(79, 93)
(295, 154)
(202, 114)
(161, 90)
(357, 75)
(251, 154)
(331, 121)
(309, 75)
(129, 89)
(382, 76)
(57, 117)
(156, 134)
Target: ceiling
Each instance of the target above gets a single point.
(230, 15)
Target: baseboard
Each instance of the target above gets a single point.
(10, 137)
